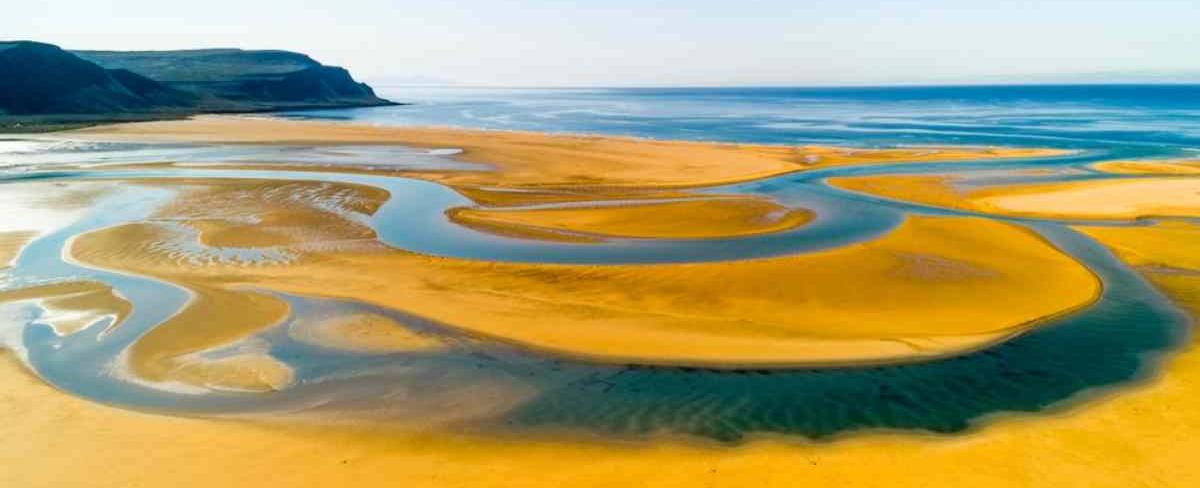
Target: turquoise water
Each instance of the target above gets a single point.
(1116, 341)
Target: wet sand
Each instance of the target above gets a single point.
(866, 302)
(1120, 442)
(36, 208)
(527, 159)
(362, 332)
(216, 322)
(108, 447)
(11, 243)
(71, 306)
(869, 301)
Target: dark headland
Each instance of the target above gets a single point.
(43, 86)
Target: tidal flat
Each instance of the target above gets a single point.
(592, 309)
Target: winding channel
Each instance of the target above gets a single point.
(1117, 340)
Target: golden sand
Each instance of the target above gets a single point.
(1097, 199)
(172, 352)
(217, 210)
(11, 243)
(70, 307)
(199, 347)
(246, 214)
(1150, 167)
(527, 159)
(988, 281)
(510, 197)
(681, 219)
(1167, 243)
(935, 190)
(1126, 441)
(1118, 199)
(1141, 438)
(363, 332)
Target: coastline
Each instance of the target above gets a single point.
(56, 123)
(542, 160)
(1118, 440)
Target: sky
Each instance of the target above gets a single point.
(664, 42)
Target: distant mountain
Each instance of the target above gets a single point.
(38, 78)
(44, 81)
(235, 79)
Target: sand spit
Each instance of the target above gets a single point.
(362, 332)
(678, 219)
(1106, 199)
(527, 159)
(72, 306)
(11, 243)
(1098, 199)
(215, 319)
(1151, 167)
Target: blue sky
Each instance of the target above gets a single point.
(667, 42)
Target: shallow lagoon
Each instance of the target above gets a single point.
(1118, 340)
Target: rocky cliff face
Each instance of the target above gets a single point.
(39, 79)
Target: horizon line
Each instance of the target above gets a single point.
(795, 86)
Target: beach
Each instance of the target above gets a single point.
(268, 268)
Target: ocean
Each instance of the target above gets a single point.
(1165, 117)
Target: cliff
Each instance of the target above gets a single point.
(38, 78)
(235, 79)
(44, 82)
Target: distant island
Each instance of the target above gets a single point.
(43, 86)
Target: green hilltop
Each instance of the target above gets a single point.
(42, 83)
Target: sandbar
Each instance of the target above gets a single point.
(69, 307)
(1129, 198)
(173, 352)
(528, 159)
(1122, 441)
(695, 218)
(1118, 442)
(1151, 167)
(1100, 199)
(11, 243)
(362, 332)
(867, 302)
